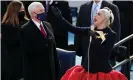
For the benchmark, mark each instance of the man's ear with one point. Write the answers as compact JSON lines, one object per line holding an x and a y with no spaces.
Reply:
{"x":34,"y":14}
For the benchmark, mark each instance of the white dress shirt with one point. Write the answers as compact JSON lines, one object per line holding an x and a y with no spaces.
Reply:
{"x":38,"y":25}
{"x":98,"y":7}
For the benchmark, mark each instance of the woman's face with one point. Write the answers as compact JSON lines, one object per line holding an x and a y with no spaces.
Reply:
{"x":99,"y":19}
{"x":22,"y":8}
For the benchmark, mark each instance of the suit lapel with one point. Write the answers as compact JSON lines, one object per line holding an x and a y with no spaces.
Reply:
{"x":46,"y":27}
{"x":88,"y":12}
{"x":34,"y":26}
{"x":49,"y":32}
{"x":37,"y":30}
{"x":104,"y":4}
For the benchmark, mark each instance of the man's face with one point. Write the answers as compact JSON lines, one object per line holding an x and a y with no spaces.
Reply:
{"x":39,"y":9}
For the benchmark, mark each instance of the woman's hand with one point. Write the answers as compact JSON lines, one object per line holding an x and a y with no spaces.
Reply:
{"x":56,"y":12}
{"x":92,"y":27}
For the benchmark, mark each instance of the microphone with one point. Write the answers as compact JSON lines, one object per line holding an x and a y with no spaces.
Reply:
{"x":92,"y":29}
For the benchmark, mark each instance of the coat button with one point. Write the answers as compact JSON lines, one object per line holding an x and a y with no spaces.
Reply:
{"x":46,"y":45}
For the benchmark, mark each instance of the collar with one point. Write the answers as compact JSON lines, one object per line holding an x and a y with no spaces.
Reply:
{"x":99,"y":3}
{"x":37,"y":24}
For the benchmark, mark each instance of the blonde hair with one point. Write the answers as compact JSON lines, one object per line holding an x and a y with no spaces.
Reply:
{"x":108,"y":15}
{"x":11,"y":15}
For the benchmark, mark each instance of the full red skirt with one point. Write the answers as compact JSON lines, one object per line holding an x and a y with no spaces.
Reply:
{"x":79,"y":73}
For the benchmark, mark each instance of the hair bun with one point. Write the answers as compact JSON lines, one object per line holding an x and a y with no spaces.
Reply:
{"x":108,"y":9}
{"x":108,"y":14}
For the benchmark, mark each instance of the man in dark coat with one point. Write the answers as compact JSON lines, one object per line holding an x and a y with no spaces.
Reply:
{"x":61,"y":36}
{"x":40,"y":58}
{"x":84,"y":19}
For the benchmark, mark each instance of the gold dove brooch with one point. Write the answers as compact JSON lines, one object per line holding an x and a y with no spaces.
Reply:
{"x":101,"y":35}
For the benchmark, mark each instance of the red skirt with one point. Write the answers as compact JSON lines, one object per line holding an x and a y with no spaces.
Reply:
{"x":79,"y":73}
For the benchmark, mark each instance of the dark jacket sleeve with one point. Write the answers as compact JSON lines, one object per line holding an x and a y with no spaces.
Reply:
{"x":76,"y":30}
{"x":66,"y":11}
{"x":57,"y":65}
{"x":23,"y":41}
{"x":26,"y":41}
{"x":56,"y":56}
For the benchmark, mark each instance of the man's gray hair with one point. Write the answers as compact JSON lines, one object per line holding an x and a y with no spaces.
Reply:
{"x":108,"y":15}
{"x":33,"y":6}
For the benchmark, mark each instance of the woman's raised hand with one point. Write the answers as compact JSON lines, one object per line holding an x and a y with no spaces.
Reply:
{"x":56,"y":12}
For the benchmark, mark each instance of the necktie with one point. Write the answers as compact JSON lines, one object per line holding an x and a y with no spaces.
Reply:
{"x":43,"y":31}
{"x":94,"y":12}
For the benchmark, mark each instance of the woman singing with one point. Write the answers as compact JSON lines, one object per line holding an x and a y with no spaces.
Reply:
{"x":103,"y":39}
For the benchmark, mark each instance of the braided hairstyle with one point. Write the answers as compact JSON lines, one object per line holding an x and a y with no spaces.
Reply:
{"x":108,"y":15}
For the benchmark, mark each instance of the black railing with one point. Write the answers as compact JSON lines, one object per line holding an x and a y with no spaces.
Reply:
{"x":123,"y":40}
{"x":128,"y":59}
{"x":123,"y":62}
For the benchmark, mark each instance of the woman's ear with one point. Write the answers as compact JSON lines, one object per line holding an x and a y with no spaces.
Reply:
{"x":104,"y":20}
